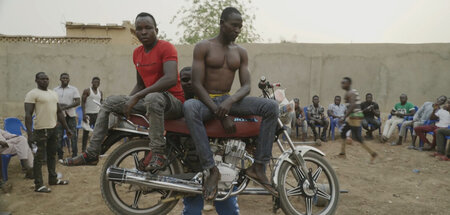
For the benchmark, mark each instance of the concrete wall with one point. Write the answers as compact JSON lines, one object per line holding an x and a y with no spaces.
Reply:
{"x":422,"y":71}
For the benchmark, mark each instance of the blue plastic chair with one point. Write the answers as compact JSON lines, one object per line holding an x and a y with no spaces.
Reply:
{"x":408,"y":118}
{"x":5,"y":162}
{"x":80,"y":117}
{"x":333,"y":125}
{"x":305,"y":110}
{"x":14,"y":126}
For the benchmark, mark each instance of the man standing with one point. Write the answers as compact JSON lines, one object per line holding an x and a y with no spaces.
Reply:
{"x":300,"y":119}
{"x":441,"y":114}
{"x":216,"y":61}
{"x":353,"y":117}
{"x":90,"y":101}
{"x":400,"y":110}
{"x":194,"y":204}
{"x":370,"y":110}
{"x":422,"y":115}
{"x":13,"y":144}
{"x":316,"y":116}
{"x":69,"y":99}
{"x":157,"y":94}
{"x":44,"y":103}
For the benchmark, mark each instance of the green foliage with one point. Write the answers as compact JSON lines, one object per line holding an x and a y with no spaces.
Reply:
{"x":201,"y":20}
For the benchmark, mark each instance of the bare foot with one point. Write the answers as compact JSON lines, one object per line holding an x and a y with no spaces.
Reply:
{"x":210,"y":184}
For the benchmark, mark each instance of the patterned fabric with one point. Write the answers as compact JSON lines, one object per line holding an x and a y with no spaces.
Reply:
{"x":316,"y":112}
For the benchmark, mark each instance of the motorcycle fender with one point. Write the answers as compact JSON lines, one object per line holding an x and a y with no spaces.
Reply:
{"x":285,"y":157}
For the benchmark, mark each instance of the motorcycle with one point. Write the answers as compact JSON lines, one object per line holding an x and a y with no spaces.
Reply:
{"x":305,"y":181}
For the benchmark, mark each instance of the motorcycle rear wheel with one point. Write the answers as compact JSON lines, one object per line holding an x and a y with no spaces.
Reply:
{"x":295,"y":195}
{"x":132,"y":201}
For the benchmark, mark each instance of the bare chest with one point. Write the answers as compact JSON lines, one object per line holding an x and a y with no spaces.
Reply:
{"x":223,"y":59}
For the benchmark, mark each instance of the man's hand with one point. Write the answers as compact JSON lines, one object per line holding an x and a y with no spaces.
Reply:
{"x":63,"y":106}
{"x":3,"y":144}
{"x":85,"y":118}
{"x":69,"y":133}
{"x":436,"y":106}
{"x":129,"y":105}
{"x":228,"y":125}
{"x":30,"y":139}
{"x":223,"y":109}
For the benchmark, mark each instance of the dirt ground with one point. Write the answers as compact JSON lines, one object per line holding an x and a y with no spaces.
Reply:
{"x":389,"y":186}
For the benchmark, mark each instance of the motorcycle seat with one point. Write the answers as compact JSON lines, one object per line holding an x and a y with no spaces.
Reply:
{"x":246,"y":126}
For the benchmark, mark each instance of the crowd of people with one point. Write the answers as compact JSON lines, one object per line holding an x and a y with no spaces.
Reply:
{"x":199,"y":93}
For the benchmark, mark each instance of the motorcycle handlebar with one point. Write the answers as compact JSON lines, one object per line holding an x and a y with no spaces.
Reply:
{"x":264,"y":84}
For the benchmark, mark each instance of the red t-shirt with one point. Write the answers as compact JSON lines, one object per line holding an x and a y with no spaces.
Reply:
{"x":150,"y":65}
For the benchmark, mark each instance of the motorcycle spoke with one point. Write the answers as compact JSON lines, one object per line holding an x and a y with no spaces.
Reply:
{"x":295,"y":191}
{"x":323,"y":194}
{"x":136,"y":160}
{"x":299,"y":173}
{"x":317,"y":173}
{"x":137,"y":197}
{"x":308,"y":203}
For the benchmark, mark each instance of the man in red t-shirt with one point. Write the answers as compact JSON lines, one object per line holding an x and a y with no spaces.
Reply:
{"x":157,"y":94}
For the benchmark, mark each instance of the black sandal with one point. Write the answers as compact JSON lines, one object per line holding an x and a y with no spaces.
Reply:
{"x":43,"y":189}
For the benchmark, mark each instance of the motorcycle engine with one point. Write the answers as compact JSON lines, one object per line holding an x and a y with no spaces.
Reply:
{"x":227,"y":161}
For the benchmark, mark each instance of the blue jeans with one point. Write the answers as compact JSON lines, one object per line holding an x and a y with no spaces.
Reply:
{"x":194,"y":205}
{"x":195,"y":113}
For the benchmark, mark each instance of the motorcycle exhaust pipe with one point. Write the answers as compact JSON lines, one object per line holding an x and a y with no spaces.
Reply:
{"x":145,"y":179}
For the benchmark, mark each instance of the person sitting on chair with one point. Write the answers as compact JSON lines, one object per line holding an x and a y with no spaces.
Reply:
{"x":300,"y":119}
{"x":400,"y":110}
{"x":370,"y":110}
{"x":443,"y":116}
{"x":13,"y":144}
{"x":316,"y":116}
{"x":422,"y":115}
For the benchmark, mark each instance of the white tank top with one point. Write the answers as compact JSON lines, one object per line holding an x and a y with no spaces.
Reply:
{"x":90,"y":105}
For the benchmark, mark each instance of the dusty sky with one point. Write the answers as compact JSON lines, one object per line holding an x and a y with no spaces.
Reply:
{"x":310,"y":21}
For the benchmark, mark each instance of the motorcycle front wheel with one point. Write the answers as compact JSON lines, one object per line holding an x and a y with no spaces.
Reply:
{"x":296,"y":195}
{"x":124,"y":198}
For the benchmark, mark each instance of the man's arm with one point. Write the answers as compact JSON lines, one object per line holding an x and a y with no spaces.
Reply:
{"x":435,"y":109}
{"x":412,"y":111}
{"x":198,"y":75}
{"x":244,"y":79}
{"x":330,"y":112}
{"x":168,"y":80}
{"x":376,"y":110}
{"x":351,"y":98}
{"x":29,"y":109}
{"x":101,"y":97}
{"x":139,"y":84}
{"x":84,"y":96}
{"x":62,"y":120}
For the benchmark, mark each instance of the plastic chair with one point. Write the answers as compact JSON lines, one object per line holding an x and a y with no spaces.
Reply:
{"x":333,"y":125}
{"x":305,"y":110}
{"x":80,"y":117}
{"x":5,"y":162}
{"x":14,"y":126}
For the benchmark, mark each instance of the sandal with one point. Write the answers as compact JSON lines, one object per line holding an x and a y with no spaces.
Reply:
{"x":43,"y":189}
{"x":61,"y":182}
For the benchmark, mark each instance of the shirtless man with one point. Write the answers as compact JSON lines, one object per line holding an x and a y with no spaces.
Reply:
{"x":215,"y":63}
{"x":353,"y":117}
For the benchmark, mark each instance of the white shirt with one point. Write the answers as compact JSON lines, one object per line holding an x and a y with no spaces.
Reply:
{"x":444,"y":118}
{"x":66,"y":96}
{"x":337,"y":110}
{"x":90,"y":105}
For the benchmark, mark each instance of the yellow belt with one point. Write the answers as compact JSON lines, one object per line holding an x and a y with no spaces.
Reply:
{"x":215,"y":95}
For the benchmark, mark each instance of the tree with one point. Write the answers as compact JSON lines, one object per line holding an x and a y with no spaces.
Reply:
{"x":201,"y":20}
